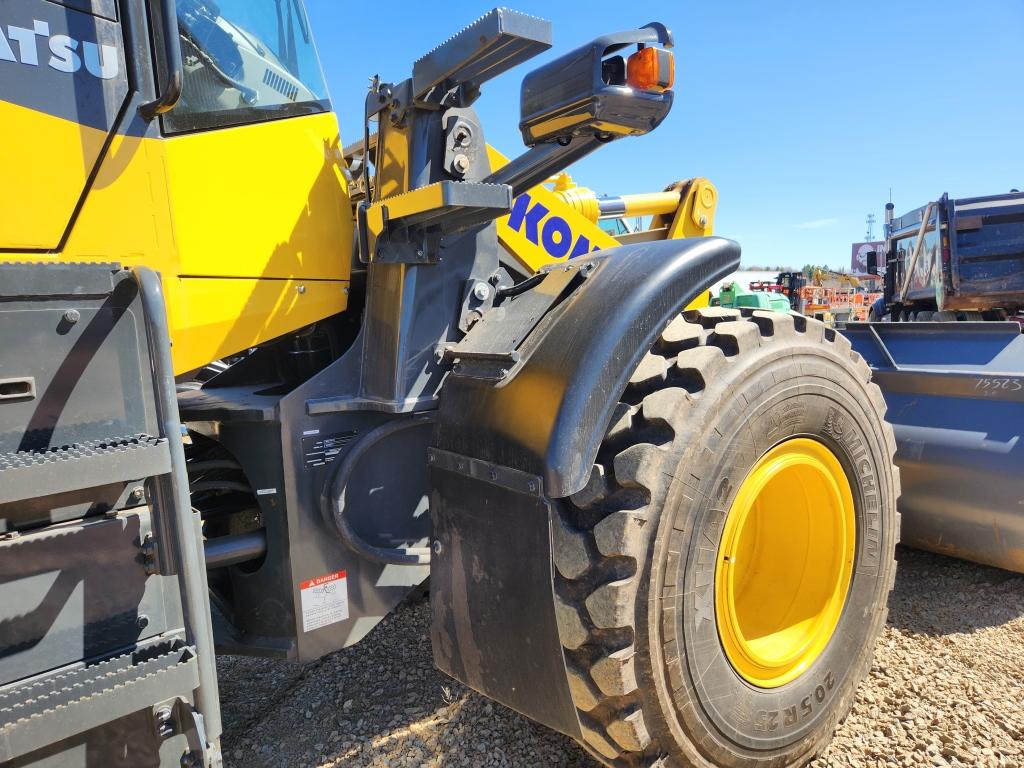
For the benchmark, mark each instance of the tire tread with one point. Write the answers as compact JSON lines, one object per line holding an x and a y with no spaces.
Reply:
{"x":611,"y":527}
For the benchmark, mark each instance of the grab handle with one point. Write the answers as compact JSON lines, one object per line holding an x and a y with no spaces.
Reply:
{"x":171,"y":92}
{"x":19,"y":388}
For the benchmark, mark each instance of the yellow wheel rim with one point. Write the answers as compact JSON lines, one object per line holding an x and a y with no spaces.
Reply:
{"x":785,"y":562}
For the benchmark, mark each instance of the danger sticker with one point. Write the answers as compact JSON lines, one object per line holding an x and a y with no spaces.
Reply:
{"x":324,"y":600}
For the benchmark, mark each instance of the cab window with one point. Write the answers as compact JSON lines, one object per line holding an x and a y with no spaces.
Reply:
{"x":245,"y":61}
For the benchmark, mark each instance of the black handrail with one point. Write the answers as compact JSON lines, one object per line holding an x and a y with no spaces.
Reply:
{"x":171,"y":92}
{"x":184,"y":542}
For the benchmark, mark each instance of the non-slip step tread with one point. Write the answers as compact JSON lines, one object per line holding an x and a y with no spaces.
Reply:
{"x":68,"y":703}
{"x":88,"y":464}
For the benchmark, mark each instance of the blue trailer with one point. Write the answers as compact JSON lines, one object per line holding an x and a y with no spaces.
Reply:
{"x":955,"y":390}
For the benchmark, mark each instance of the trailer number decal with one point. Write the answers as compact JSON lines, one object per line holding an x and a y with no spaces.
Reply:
{"x":324,"y":600}
{"x":995,"y":384}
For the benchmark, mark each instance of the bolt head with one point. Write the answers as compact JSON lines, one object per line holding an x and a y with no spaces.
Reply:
{"x":438,"y":547}
{"x":482,"y":291}
{"x":460,"y":163}
{"x":72,"y":316}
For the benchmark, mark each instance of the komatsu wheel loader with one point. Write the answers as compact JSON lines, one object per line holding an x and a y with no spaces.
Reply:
{"x":256,"y":386}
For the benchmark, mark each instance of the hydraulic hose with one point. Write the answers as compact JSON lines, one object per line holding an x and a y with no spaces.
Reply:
{"x":334,"y":508}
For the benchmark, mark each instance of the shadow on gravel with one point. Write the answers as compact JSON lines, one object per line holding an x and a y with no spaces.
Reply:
{"x":937,"y":595}
{"x":379,"y":703}
{"x":383,"y":703}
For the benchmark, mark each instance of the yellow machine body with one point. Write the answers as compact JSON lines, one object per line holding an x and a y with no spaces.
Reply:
{"x":250,"y":226}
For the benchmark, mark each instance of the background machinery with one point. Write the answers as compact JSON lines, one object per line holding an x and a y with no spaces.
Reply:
{"x":951,"y":366}
{"x":324,"y":373}
{"x":733,"y":295}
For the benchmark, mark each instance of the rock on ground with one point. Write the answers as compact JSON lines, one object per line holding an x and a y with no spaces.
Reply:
{"x":946,"y":689}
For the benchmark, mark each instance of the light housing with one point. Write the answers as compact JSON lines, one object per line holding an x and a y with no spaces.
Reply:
{"x":587,"y":92}
{"x":651,"y":69}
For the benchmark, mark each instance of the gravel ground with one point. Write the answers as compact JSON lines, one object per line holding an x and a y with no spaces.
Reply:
{"x":946,"y":688}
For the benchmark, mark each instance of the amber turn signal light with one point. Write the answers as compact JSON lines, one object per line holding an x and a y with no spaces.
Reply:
{"x":651,"y":69}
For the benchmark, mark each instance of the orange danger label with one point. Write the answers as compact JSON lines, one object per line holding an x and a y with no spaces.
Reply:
{"x":324,"y":600}
{"x":322,"y":579}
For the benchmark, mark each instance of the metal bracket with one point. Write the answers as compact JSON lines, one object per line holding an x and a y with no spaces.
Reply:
{"x":477,"y":299}
{"x":400,"y":104}
{"x":506,"y":477}
{"x":462,"y":142}
{"x":407,"y":228}
{"x":165,"y":720}
{"x":150,"y":556}
{"x":490,"y":350}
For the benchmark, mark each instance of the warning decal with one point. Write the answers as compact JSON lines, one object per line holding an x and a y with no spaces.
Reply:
{"x":324,"y":600}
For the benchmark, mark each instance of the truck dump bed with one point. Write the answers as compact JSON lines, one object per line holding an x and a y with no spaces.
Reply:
{"x":972,"y":257}
{"x":987,"y":251}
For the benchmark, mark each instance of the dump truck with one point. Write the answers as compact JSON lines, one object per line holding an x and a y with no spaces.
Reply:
{"x":955,"y":259}
{"x":946,"y":348}
{"x":257,"y":386}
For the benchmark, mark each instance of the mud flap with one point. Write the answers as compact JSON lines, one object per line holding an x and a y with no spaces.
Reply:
{"x":494,"y":624}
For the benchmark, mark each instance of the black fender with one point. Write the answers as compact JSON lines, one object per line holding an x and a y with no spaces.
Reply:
{"x":520,"y":420}
{"x":548,"y":414}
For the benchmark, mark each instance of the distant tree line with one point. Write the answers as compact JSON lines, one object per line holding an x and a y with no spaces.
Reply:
{"x":766,"y":268}
{"x":808,"y":269}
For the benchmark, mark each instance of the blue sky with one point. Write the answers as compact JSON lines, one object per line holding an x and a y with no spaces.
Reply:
{"x":802,"y":114}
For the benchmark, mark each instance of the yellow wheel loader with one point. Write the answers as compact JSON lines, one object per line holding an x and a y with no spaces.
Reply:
{"x":256,"y":387}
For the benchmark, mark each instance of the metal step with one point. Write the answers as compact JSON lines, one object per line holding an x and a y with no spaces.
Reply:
{"x":31,"y":474}
{"x":65,"y":704}
{"x":494,"y":43}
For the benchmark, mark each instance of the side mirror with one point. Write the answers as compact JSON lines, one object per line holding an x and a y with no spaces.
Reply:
{"x":592,"y":91}
{"x":872,"y":262}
